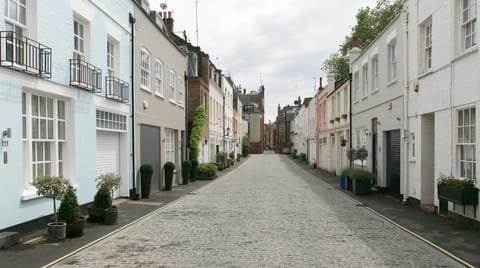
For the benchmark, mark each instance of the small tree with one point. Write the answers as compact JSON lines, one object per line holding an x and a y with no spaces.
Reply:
{"x":245,"y":146}
{"x":362,"y":154}
{"x":53,"y":187}
{"x":69,"y":209}
{"x":109,"y":181}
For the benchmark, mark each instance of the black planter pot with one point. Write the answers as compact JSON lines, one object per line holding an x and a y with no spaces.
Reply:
{"x":145,"y":181}
{"x":349,"y":185}
{"x":96,"y":215}
{"x":168,"y":179}
{"x":76,"y":228}
{"x":185,"y":175}
{"x":462,"y":196}
{"x":193,"y":171}
{"x":361,"y":187}
{"x":111,"y":216}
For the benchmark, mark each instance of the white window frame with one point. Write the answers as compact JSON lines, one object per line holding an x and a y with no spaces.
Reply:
{"x":375,"y":73}
{"x":145,"y":69}
{"x":158,"y":80}
{"x":466,"y":143}
{"x":427,"y":51}
{"x":180,"y":91}
{"x":46,"y":146}
{"x":412,"y":146}
{"x":79,"y":39}
{"x":469,"y":23}
{"x":111,"y":121}
{"x":16,"y":18}
{"x":365,"y":80}
{"x":392,"y":60}
{"x":172,"y":86}
{"x":169,"y":145}
{"x":110,"y":57}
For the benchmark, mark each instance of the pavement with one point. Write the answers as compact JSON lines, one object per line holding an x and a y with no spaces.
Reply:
{"x":452,"y":239}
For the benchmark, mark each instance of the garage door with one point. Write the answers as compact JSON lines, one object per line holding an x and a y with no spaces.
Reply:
{"x":108,"y":153}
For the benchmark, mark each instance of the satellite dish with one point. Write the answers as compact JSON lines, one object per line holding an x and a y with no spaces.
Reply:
{"x":163,"y":6}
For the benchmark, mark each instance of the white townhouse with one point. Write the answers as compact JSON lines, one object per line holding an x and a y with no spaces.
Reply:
{"x":311,"y":132}
{"x":229,"y":137}
{"x":443,"y":96}
{"x":297,"y":132}
{"x":378,"y":84}
{"x":215,"y":113}
{"x":64,"y":97}
{"x":338,"y":107}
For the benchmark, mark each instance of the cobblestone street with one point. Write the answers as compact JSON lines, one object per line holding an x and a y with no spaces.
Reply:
{"x":267,"y":212}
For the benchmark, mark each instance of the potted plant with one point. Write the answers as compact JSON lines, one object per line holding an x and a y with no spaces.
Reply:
{"x":362,"y":181}
{"x":361,"y":155}
{"x":232,"y":158}
{"x":169,"y":167}
{"x":101,"y":201}
{"x":207,"y":171}
{"x":53,"y":187}
{"x":351,"y":155}
{"x":221,"y":160}
{"x":186,"y":166}
{"x":146,"y":171}
{"x":239,"y":156}
{"x":69,"y":211}
{"x":459,"y":191}
{"x":111,"y":182}
{"x":193,"y":170}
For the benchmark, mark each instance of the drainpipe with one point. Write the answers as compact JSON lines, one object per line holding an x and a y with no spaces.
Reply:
{"x":186,"y":136}
{"x":133,"y":190}
{"x":350,"y":117}
{"x":405,"y":108}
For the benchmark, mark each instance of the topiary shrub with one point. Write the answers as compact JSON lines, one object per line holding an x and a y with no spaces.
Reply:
{"x":207,"y":171}
{"x":146,"y":169}
{"x":102,"y":198}
{"x":303,"y":157}
{"x":53,"y":187}
{"x":69,"y":209}
{"x":109,"y":181}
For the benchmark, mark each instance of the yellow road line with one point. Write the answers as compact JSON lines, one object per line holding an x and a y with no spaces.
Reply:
{"x":401,"y":227}
{"x":119,"y":229}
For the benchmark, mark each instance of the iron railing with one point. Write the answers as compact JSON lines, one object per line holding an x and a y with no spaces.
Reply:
{"x":24,"y":54}
{"x":116,"y":89}
{"x":85,"y":75}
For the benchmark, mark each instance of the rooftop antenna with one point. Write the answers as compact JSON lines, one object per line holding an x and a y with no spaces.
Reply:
{"x":314,"y":84}
{"x":196,"y":19}
{"x":164,"y":6}
{"x":261,"y":81}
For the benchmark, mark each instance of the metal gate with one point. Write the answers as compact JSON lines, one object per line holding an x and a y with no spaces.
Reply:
{"x":393,"y":161}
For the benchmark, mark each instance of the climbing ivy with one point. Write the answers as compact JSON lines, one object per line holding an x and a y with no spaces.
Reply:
{"x":196,"y":132}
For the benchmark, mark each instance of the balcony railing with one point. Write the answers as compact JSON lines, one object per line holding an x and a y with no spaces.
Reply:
{"x":86,"y":76}
{"x":24,"y":54}
{"x":116,"y":89}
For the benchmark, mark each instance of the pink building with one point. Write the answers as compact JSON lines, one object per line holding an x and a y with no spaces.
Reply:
{"x":321,"y":126}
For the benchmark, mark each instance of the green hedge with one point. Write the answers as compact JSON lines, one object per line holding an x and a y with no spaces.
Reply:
{"x":207,"y":171}
{"x":359,"y":175}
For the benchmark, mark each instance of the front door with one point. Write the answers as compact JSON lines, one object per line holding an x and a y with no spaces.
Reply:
{"x":393,"y":161}
{"x":150,"y":152}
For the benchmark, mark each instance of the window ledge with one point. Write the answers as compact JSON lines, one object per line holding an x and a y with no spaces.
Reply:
{"x":30,"y":194}
{"x":159,"y":95}
{"x":357,"y":101}
{"x":425,"y":73}
{"x":466,"y":52}
{"x":392,"y":82}
{"x":364,"y":97}
{"x":181,"y":106}
{"x":172,"y":101}
{"x":412,"y":160}
{"x":145,"y":89}
{"x":375,"y":92}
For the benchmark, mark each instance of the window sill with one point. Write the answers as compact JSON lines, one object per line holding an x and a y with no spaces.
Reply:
{"x":145,"y":89}
{"x":364,"y":97}
{"x":172,"y":101}
{"x":425,"y":73}
{"x":412,"y":160}
{"x":159,"y":95}
{"x":392,"y":82}
{"x":30,"y":194}
{"x":181,"y":106}
{"x":375,"y":92}
{"x":466,"y":52}
{"x":357,"y":101}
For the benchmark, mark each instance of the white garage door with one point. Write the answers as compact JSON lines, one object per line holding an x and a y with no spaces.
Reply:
{"x":108,"y":153}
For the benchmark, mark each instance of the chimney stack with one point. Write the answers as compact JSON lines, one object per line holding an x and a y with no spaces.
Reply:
{"x":354,"y":41}
{"x":168,"y":21}
{"x":278,"y":109}
{"x":355,"y":51}
{"x":321,"y":85}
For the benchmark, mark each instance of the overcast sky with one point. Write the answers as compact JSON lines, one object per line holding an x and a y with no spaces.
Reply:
{"x":278,"y":43}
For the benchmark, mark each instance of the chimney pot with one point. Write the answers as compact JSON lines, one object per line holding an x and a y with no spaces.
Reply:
{"x":354,"y":41}
{"x":321,"y":86}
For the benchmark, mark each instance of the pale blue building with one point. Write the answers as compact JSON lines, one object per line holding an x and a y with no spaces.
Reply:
{"x":65,"y":97}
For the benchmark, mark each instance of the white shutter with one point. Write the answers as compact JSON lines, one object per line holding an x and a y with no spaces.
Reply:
{"x":108,"y":153}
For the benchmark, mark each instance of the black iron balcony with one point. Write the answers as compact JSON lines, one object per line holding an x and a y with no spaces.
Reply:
{"x":116,"y":89}
{"x":86,"y":76}
{"x":24,"y":54}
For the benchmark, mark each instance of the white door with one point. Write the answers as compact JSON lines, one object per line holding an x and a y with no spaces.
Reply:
{"x":108,"y":154}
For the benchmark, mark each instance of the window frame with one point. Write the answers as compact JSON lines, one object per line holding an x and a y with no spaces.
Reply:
{"x":80,"y":36}
{"x":375,"y":76}
{"x":365,"y":80}
{"x":170,"y":145}
{"x":158,"y":79}
{"x":427,"y":50}
{"x":172,"y":86}
{"x":180,"y":91}
{"x":466,"y":143}
{"x":145,"y":66}
{"x":469,"y":24}
{"x":392,"y":60}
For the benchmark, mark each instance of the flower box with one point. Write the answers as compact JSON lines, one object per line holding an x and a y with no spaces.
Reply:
{"x":463,"y":196}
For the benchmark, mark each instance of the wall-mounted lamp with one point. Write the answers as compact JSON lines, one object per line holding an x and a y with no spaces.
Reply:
{"x":205,"y":141}
{"x":416,"y":85}
{"x":367,"y":133}
{"x":7,"y":133}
